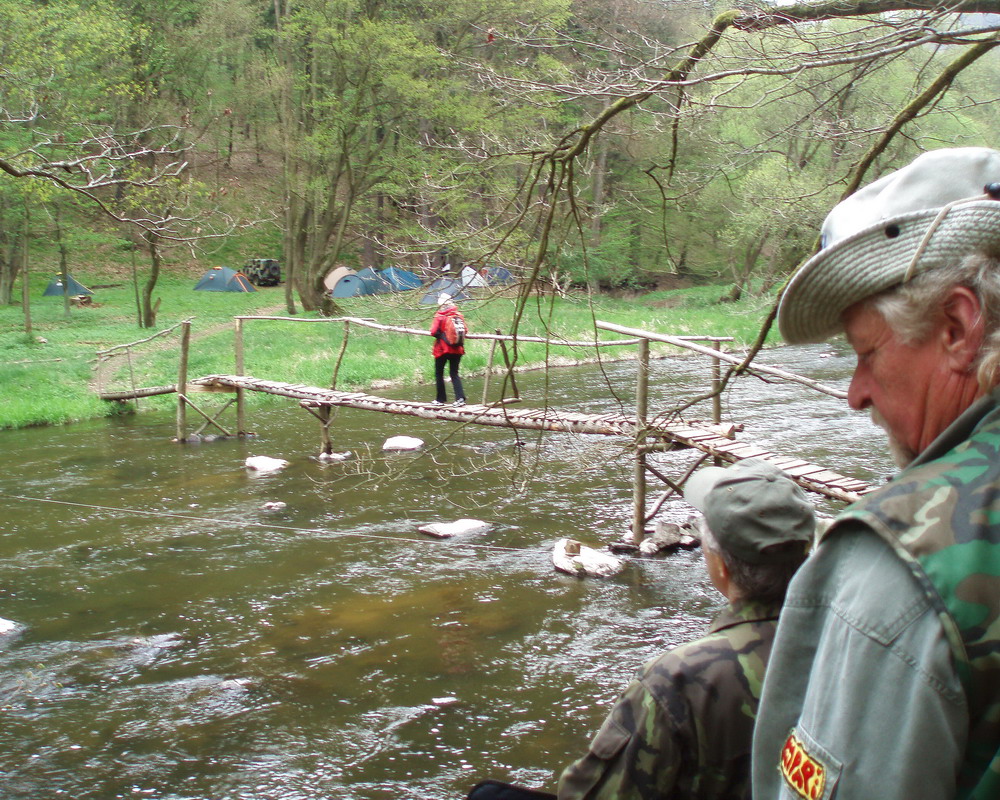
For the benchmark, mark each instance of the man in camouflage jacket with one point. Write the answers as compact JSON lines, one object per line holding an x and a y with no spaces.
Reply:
{"x":883,"y":681}
{"x":683,"y":727}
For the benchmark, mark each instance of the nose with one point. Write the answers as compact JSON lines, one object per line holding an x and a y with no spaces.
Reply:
{"x":858,"y":396}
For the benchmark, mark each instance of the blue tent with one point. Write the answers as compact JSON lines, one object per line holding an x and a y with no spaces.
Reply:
{"x":73,"y":288}
{"x":223,"y":279}
{"x":373,"y":282}
{"x":498,"y":275}
{"x":400,"y":279}
{"x":450,"y":286}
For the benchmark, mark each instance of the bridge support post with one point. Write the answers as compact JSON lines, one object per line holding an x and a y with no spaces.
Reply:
{"x":324,"y":419}
{"x":717,"y":390}
{"x":639,"y":475}
{"x":182,"y":370}
{"x":241,"y":426}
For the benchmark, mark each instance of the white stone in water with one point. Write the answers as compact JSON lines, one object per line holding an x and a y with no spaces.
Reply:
{"x":571,"y":557}
{"x":8,"y":626}
{"x":445,"y":530}
{"x":403,"y":443}
{"x":274,"y":505}
{"x":335,"y":456}
{"x":444,"y":701}
{"x":265,"y":463}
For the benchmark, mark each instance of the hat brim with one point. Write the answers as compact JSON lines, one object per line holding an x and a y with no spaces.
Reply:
{"x":876,"y":259}
{"x":697,"y":487}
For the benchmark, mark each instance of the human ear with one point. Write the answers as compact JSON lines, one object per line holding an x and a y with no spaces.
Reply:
{"x":961,"y":331}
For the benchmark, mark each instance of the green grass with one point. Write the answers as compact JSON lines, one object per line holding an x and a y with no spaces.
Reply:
{"x":49,"y":378}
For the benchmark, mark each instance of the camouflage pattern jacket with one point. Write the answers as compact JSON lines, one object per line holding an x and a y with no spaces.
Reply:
{"x":683,"y":727}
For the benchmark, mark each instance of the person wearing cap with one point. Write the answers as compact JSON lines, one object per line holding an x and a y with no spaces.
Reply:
{"x":683,"y":727}
{"x":445,"y":354}
{"x":884,"y":681}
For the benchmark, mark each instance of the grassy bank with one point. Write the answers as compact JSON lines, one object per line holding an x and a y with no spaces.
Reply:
{"x":50,"y":377}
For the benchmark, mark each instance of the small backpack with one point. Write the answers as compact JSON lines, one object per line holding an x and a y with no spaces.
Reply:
{"x":454,"y":330}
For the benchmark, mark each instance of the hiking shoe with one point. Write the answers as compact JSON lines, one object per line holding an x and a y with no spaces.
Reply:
{"x":459,"y":402}
{"x":436,"y":403}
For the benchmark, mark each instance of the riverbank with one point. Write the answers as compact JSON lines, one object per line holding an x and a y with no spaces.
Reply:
{"x":49,"y":377}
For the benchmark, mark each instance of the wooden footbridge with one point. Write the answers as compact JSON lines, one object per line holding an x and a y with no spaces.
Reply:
{"x":646,"y":433}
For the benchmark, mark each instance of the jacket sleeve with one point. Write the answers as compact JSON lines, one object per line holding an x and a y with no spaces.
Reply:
{"x":635,"y":754}
{"x":436,"y":326}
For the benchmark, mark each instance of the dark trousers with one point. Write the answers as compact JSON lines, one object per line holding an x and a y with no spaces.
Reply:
{"x":451,"y":359}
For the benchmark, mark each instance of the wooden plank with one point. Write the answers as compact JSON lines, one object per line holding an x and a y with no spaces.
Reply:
{"x":709,"y":438}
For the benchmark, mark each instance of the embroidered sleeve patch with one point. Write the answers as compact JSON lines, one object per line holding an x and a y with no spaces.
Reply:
{"x":804,"y":773}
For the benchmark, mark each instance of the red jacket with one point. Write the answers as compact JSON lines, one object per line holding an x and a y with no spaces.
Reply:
{"x":441,"y":347}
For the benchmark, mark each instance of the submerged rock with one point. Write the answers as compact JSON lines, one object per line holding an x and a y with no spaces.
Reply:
{"x":265,"y":463}
{"x":669,"y":536}
{"x":403,"y":443}
{"x":445,"y":530}
{"x":335,"y":456}
{"x":274,"y":505}
{"x":573,"y":558}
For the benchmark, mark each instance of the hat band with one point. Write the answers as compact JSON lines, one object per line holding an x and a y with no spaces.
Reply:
{"x":926,"y":240}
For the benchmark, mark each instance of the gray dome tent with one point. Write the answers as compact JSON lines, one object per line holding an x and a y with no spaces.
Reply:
{"x":450,"y":286}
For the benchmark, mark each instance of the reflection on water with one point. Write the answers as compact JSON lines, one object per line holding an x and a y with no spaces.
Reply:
{"x":180,"y":641}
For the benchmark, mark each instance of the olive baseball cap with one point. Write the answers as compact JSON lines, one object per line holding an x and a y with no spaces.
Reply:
{"x":751,"y":506}
{"x":932,"y":212}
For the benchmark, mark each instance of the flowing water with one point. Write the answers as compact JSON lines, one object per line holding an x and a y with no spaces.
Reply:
{"x":177,"y":640}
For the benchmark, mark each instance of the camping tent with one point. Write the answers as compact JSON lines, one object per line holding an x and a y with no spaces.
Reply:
{"x":373,"y":282}
{"x":448,"y":286}
{"x":400,"y":279}
{"x":223,"y":279}
{"x":73,"y":287}
{"x":343,"y":282}
{"x":498,"y":275}
{"x":472,"y":279}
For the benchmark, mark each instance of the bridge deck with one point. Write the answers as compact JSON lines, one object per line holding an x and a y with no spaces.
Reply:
{"x":713,"y":440}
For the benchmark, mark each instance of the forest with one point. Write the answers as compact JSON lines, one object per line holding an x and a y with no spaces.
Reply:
{"x":599,"y":145}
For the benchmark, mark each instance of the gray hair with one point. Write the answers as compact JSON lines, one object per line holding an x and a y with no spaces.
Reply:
{"x":911,"y":309}
{"x":762,"y":583}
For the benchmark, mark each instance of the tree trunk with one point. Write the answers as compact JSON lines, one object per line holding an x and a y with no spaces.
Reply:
{"x":63,"y":260}
{"x":149,"y":308}
{"x":25,"y":294}
{"x":600,"y":166}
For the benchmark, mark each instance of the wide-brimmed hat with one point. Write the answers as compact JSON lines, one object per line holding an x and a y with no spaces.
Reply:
{"x":751,"y":506}
{"x":933,"y":212}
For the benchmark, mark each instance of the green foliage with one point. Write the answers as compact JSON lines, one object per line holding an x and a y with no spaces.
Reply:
{"x":52,"y":378}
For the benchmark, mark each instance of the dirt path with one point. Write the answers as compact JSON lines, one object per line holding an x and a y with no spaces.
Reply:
{"x":109,"y":368}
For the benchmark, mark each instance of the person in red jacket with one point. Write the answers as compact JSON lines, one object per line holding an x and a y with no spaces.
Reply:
{"x":445,"y":353}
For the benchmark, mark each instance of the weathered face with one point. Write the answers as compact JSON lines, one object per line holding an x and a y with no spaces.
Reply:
{"x":913,"y":390}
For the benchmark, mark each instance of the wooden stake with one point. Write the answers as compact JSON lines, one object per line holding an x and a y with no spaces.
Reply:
{"x":241,"y":428}
{"x":639,"y":477}
{"x":182,"y":381}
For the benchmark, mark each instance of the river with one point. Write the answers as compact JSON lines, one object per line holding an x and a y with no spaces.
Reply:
{"x":178,"y":640}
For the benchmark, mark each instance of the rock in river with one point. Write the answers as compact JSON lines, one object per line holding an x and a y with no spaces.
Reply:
{"x":445,"y":530}
{"x":265,"y":463}
{"x":574,"y":558}
{"x":403,"y":443}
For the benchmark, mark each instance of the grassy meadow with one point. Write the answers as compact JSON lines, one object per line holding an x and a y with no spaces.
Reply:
{"x":51,"y":376}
